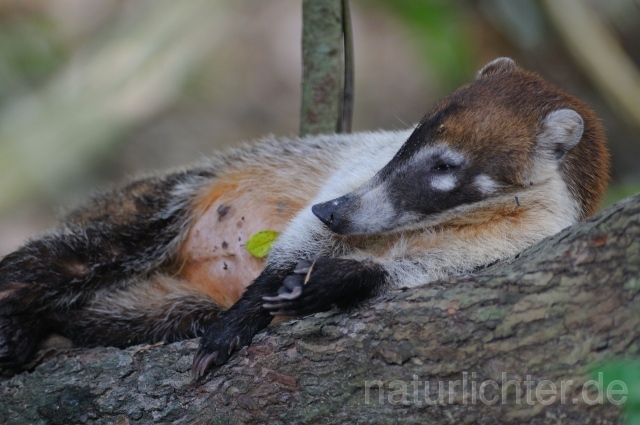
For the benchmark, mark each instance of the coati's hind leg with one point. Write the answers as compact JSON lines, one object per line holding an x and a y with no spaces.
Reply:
{"x":19,"y":337}
{"x":162,"y":308}
{"x":112,"y":240}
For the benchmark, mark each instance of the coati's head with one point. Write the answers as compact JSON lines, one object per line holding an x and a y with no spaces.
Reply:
{"x":508,"y":133}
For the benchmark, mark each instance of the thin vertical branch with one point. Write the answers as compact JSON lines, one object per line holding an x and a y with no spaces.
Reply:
{"x":322,"y":74}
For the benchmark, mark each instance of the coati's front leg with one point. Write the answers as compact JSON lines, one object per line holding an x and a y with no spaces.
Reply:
{"x":319,"y":284}
{"x":308,"y":287}
{"x":237,"y":326}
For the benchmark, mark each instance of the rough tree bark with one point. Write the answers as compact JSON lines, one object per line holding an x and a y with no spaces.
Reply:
{"x":550,"y":313}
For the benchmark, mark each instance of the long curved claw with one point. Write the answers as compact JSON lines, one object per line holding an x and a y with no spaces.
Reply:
{"x":202,"y":361}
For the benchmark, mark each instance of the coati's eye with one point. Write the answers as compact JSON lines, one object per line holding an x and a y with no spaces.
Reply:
{"x":443,"y":167}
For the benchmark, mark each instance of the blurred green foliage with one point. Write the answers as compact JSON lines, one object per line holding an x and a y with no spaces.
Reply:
{"x":618,"y":192}
{"x":30,"y":52}
{"x":628,"y":372}
{"x":442,"y":35}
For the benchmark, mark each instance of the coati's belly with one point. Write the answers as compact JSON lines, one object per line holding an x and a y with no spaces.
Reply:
{"x":264,"y":195}
{"x":214,"y":258}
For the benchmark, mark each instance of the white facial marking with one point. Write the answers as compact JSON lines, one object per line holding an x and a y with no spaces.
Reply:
{"x":452,"y":157}
{"x":375,"y":212}
{"x":443,"y":183}
{"x":445,"y":153}
{"x":486,"y":184}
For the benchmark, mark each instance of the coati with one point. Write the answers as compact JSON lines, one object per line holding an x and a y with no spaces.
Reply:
{"x":493,"y":168}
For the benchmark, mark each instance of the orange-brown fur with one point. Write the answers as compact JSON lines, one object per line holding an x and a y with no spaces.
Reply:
{"x":214,"y":259}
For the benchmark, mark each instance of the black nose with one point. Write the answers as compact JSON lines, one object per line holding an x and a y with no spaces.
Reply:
{"x":324,"y":212}
{"x":333,"y":213}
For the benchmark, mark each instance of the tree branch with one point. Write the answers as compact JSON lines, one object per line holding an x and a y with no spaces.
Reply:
{"x":321,"y":66}
{"x":547,"y":314}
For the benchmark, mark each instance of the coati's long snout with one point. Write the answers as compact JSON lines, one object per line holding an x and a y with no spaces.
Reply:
{"x":368,"y":209}
{"x":365,"y":210}
{"x":337,"y":214}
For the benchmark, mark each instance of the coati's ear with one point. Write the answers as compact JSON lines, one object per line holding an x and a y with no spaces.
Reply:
{"x":561,"y":131}
{"x":497,"y":66}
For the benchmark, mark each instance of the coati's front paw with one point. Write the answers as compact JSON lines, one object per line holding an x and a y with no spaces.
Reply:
{"x":319,"y":284}
{"x":221,"y":339}
{"x":310,"y":289}
{"x":19,"y":338}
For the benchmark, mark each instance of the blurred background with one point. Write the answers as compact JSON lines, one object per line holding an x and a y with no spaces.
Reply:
{"x":94,"y":91}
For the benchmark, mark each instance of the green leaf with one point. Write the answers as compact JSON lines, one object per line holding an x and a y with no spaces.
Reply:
{"x":259,"y":244}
